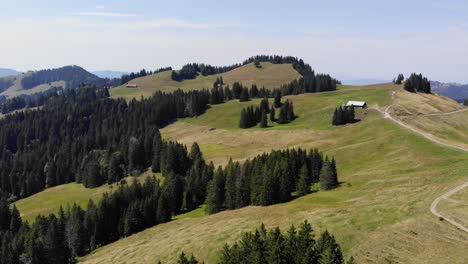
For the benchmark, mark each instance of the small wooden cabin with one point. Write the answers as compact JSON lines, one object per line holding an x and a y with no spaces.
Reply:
{"x":131,"y":85}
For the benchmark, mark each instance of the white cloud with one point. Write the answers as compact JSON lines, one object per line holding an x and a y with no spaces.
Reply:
{"x":106,"y":14}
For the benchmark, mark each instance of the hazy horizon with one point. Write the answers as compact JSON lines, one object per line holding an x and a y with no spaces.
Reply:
{"x":358,"y":40}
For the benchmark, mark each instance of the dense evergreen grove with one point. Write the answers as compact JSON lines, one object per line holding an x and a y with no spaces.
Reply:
{"x":465,"y":102}
{"x":296,"y":246}
{"x":72,"y":75}
{"x":298,"y":64}
{"x":417,"y":83}
{"x":76,"y":136}
{"x":399,"y":79}
{"x":269,"y":178}
{"x":191,"y":71}
{"x":75,"y":232}
{"x":142,"y":73}
{"x":343,"y":115}
{"x":251,"y":115}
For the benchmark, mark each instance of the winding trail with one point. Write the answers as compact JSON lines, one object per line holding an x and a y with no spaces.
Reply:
{"x":446,"y":195}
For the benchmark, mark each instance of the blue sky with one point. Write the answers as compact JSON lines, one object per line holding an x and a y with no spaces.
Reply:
{"x":348,"y":39}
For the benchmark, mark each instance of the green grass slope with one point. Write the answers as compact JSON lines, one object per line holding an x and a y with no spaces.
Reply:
{"x":50,"y":200}
{"x":269,"y":75}
{"x":380,"y":214}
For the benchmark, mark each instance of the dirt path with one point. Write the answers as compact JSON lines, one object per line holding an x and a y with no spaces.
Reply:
{"x":446,"y":196}
{"x":437,"y":114}
{"x":426,"y":135}
{"x":435,"y":140}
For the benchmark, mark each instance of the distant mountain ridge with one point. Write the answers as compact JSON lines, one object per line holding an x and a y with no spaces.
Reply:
{"x":455,"y":91}
{"x":32,"y":82}
{"x":8,"y":72}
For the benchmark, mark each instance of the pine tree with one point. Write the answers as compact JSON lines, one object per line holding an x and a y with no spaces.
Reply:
{"x":277,"y":99}
{"x":272,"y":114}
{"x":290,"y":111}
{"x":327,"y":177}
{"x":216,"y":191}
{"x":329,"y":250}
{"x":303,"y":185}
{"x":244,"y":96}
{"x":183,"y":259}
{"x":163,"y":213}
{"x":244,"y":120}
{"x":264,"y":120}
{"x":282,"y":118}
{"x":15,"y":221}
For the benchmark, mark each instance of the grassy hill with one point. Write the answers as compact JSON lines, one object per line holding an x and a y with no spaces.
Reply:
{"x":380,"y":214}
{"x":40,"y":81}
{"x":269,"y":75}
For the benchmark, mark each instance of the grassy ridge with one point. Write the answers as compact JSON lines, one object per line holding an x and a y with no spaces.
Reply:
{"x":269,"y":75}
{"x":380,"y":213}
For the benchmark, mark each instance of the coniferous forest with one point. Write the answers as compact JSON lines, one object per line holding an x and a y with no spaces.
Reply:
{"x":81,"y":135}
{"x":297,"y":245}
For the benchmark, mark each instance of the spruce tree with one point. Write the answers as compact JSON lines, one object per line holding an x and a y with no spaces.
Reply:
{"x":215,"y":197}
{"x":15,"y":221}
{"x":277,"y":99}
{"x":272,"y":114}
{"x":282,"y":118}
{"x":244,"y":119}
{"x":327,"y":178}
{"x":244,"y":96}
{"x":264,"y":120}
{"x":303,"y":185}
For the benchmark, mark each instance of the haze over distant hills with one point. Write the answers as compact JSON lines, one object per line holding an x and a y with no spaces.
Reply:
{"x":40,"y":81}
{"x":8,"y":72}
{"x":455,"y":91}
{"x":109,"y":74}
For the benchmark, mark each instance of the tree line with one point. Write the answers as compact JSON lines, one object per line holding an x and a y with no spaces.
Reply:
{"x":142,"y":73}
{"x":82,"y":135}
{"x":192,"y":70}
{"x":417,"y":83}
{"x":129,"y":209}
{"x":296,"y":246}
{"x":343,"y":115}
{"x":269,"y":178}
{"x":252,"y":115}
{"x":399,"y":79}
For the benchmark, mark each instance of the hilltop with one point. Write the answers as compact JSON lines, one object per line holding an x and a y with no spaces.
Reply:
{"x":8,"y":72}
{"x":269,"y":75}
{"x":40,"y":81}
